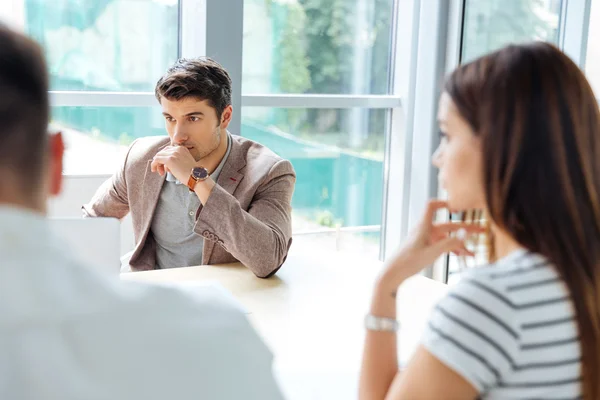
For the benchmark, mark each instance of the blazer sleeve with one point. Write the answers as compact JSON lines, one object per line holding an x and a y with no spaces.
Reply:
{"x":260,"y":237}
{"x":111,"y":200}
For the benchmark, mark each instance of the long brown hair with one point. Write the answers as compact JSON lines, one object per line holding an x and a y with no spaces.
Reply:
{"x":539,"y":125}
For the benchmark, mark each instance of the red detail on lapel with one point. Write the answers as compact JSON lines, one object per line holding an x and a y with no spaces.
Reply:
{"x":233,"y":179}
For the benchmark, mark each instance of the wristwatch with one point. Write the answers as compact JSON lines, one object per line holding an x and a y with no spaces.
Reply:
{"x":381,"y":324}
{"x":198,"y":175}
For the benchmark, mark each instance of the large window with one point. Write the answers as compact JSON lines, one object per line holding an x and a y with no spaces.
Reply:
{"x":326,"y":51}
{"x":321,"y":69}
{"x":338,"y":157}
{"x":492,"y":24}
{"x":317,"y":46}
{"x":104,"y":45}
{"x":345,"y":89}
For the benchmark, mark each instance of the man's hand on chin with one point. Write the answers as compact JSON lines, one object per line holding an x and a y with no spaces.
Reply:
{"x":175,"y":159}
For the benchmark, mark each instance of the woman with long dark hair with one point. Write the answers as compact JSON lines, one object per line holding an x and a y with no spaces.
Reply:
{"x":521,"y":141}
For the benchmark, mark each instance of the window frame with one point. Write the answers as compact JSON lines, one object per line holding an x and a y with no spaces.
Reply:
{"x":200,"y":33}
{"x":573,"y":29}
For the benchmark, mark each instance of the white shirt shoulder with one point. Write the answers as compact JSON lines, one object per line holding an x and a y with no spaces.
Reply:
{"x":68,"y":332}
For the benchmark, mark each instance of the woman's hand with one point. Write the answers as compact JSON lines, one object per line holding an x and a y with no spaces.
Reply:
{"x":424,"y":245}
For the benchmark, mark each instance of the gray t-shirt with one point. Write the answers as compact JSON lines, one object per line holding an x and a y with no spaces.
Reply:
{"x":177,"y":245}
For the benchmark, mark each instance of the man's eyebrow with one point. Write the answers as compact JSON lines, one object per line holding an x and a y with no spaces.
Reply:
{"x":166,"y":114}
{"x":194,"y":113}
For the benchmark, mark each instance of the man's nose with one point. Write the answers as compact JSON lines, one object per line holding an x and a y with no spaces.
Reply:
{"x":179,"y":136}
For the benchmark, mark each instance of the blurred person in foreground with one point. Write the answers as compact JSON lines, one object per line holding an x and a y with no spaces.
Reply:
{"x":67,"y":332}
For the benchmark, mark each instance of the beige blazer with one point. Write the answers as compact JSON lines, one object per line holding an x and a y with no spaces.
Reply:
{"x":247,"y":217}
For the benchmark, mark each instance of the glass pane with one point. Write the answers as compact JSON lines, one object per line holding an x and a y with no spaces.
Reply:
{"x":317,"y":46}
{"x":103,"y":45}
{"x":338,"y":157}
{"x":97,"y":138}
{"x":492,"y":24}
{"x":592,"y":63}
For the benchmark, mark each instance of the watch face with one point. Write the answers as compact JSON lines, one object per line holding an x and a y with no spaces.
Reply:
{"x":200,"y":173}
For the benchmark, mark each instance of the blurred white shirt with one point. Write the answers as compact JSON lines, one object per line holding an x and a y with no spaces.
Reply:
{"x":67,"y":332}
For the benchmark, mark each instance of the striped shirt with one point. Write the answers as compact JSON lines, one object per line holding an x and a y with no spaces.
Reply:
{"x":510,"y":330}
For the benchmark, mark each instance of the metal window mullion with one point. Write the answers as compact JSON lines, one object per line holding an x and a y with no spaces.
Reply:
{"x":215,"y":29}
{"x":431,"y":68}
{"x":574,"y":27}
{"x":321,"y":101}
{"x":454,"y":42}
{"x":399,"y":137}
{"x":102,"y":99}
{"x":143,"y":99}
{"x":456,"y":15}
{"x":192,"y":28}
{"x":224,"y":22}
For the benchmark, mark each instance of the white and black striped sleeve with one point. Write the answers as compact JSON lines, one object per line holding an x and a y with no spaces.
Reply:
{"x":473,"y":330}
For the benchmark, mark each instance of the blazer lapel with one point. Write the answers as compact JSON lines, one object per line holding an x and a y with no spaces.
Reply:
{"x":229,"y":179}
{"x":151,"y":187}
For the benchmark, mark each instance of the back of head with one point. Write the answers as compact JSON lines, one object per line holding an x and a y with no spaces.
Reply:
{"x":200,"y":78}
{"x":24,"y":113}
{"x":539,"y":125}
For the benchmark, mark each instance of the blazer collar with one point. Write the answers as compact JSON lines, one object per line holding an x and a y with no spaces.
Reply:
{"x":152,"y":183}
{"x":230,"y":176}
{"x":151,"y":187}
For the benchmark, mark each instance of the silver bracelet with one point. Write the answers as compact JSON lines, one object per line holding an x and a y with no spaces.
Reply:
{"x":381,"y":324}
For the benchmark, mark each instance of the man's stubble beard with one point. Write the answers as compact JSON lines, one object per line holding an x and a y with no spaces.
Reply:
{"x":214,"y":145}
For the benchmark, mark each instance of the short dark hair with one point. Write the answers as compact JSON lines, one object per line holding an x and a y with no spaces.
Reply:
{"x":24,"y":107}
{"x":201,"y":78}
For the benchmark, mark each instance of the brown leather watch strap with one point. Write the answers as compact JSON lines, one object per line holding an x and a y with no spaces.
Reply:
{"x":191,"y":184}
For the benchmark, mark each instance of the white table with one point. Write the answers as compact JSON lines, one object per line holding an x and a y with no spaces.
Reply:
{"x":311,"y":315}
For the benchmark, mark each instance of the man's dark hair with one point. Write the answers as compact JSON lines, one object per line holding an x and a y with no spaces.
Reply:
{"x":200,"y":78}
{"x":24,"y":107}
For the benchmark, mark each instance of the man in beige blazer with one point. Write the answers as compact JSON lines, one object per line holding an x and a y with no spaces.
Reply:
{"x":201,"y":195}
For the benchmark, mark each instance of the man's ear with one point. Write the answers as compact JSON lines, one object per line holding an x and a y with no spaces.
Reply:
{"x":57,"y":151}
{"x":226,"y":116}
